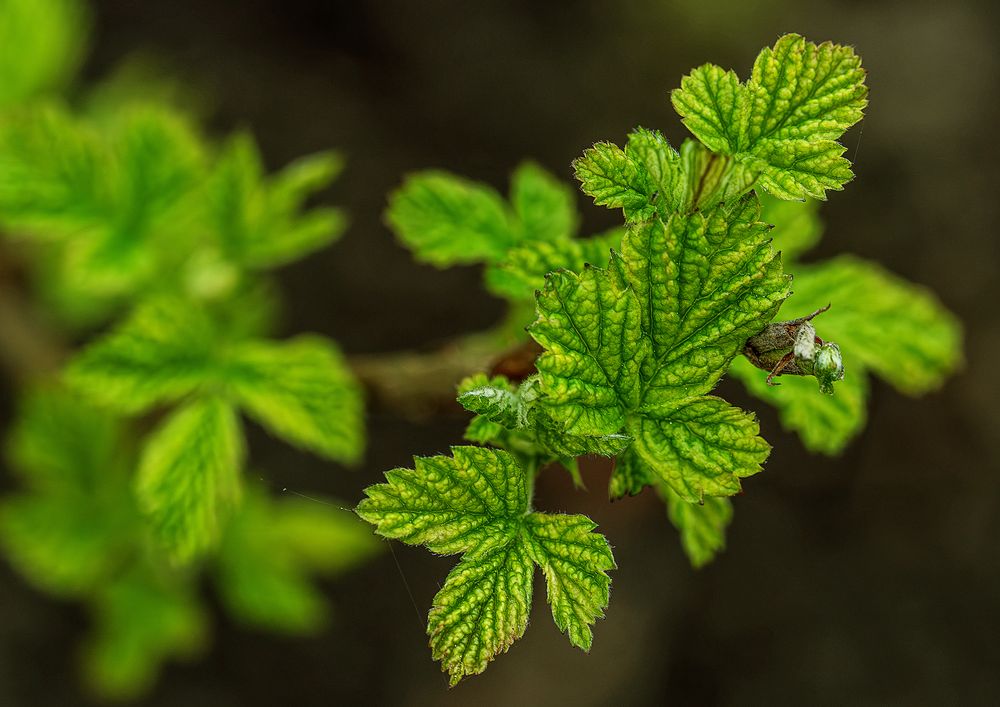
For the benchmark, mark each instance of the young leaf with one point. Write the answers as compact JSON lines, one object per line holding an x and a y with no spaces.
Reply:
{"x":544,"y":205}
{"x":615,"y":179}
{"x":884,"y":325}
{"x":40,"y":48}
{"x":575,"y":561}
{"x":258,"y":220}
{"x":142,"y":619}
{"x":639,"y":345}
{"x":826,"y":423}
{"x":162,"y":352}
{"x":302,"y":391}
{"x":524,"y":268}
{"x":268,"y":551}
{"x":784,"y":121}
{"x":189,"y":476}
{"x":446,"y":220}
{"x":476,"y":503}
{"x":797,"y":226}
{"x":523,"y":425}
{"x":702,"y":525}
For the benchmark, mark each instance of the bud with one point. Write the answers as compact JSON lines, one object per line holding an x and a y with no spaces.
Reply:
{"x":828,"y":366}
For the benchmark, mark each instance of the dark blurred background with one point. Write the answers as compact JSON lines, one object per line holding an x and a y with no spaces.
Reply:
{"x":872,"y":578}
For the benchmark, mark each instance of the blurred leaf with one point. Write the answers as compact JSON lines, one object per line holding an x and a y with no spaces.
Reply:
{"x":523,"y":270}
{"x":826,"y":423}
{"x":77,"y":522}
{"x":142,"y":619}
{"x":260,"y":221}
{"x":41,"y":43}
{"x":797,"y":226}
{"x":271,"y":547}
{"x":302,"y":391}
{"x":107,"y":194}
{"x":702,"y":526}
{"x":190,"y":476}
{"x":544,"y":205}
{"x":162,"y":352}
{"x":67,"y":543}
{"x":883,"y":325}
{"x":59,"y":442}
{"x":446,"y":220}
{"x":55,"y":180}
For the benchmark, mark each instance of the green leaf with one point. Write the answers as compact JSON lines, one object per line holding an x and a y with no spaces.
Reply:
{"x":616,"y":180}
{"x":481,"y":609}
{"x":797,"y":226}
{"x":271,"y":548}
{"x":701,"y":447}
{"x":58,"y":442}
{"x":826,"y":423}
{"x":544,"y":205}
{"x":575,"y":561}
{"x":590,"y":327}
{"x":782,"y":123}
{"x":450,"y":504}
{"x":189,"y":476}
{"x":629,"y":475}
{"x":446,"y":220}
{"x":883,"y":325}
{"x":702,"y":525}
{"x":161,"y":353}
{"x":142,"y":620}
{"x":476,"y":503}
{"x":638,"y":346}
{"x":260,"y":221}
{"x":77,"y":522}
{"x":302,"y":391}
{"x":524,"y":268}
{"x":41,"y":43}
{"x":66,"y":543}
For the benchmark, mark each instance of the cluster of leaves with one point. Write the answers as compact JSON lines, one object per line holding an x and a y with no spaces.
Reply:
{"x":135,"y":224}
{"x":447,"y":220}
{"x":632,"y":349}
{"x":78,"y":531}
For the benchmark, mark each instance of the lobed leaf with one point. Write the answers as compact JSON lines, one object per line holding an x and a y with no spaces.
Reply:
{"x":783,"y":123}
{"x":476,"y":502}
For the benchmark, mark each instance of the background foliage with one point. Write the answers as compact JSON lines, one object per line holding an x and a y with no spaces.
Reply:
{"x":870,"y":574}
